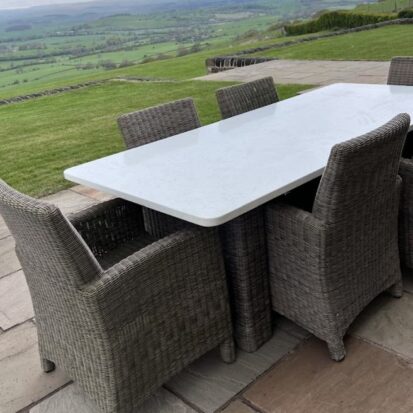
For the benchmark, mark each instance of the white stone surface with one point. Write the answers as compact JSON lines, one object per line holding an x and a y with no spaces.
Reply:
{"x":213,"y":174}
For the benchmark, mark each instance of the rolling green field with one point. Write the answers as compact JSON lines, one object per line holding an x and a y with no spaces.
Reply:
{"x":40,"y":138}
{"x":40,"y":52}
{"x":377,"y":44}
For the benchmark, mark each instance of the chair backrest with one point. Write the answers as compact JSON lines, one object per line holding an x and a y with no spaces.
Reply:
{"x":238,"y":99}
{"x":361,"y":174}
{"x":401,"y":71}
{"x":49,"y":248}
{"x":159,"y":122}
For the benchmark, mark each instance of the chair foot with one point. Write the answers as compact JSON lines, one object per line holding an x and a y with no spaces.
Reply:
{"x":227,"y":350}
{"x":337,"y":350}
{"x":47,"y":365}
{"x":396,"y":290}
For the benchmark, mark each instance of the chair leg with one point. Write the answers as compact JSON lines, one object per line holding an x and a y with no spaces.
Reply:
{"x":337,"y":350}
{"x":47,"y":365}
{"x":396,"y":290}
{"x":227,"y":350}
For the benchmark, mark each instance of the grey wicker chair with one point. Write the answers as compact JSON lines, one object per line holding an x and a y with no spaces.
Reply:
{"x":159,"y":122}
{"x":401,"y":71}
{"x":117,"y":310}
{"x":327,"y":264}
{"x":243,"y":239}
{"x":238,"y":99}
{"x":153,"y":124}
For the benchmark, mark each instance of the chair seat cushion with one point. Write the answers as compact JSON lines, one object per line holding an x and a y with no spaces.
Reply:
{"x":112,"y":257}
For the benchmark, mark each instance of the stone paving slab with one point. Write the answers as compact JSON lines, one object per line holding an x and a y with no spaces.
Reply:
{"x":238,"y":407}
{"x":369,"y":380}
{"x":15,"y":301}
{"x":309,"y":72}
{"x":210,"y":384}
{"x":9,"y":262}
{"x":72,"y":400}
{"x":4,"y":231}
{"x":91,"y":193}
{"x":70,"y":201}
{"x":388,"y":322}
{"x":22,"y":381}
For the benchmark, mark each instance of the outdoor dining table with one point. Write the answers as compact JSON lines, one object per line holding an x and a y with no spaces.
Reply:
{"x":222,"y":174}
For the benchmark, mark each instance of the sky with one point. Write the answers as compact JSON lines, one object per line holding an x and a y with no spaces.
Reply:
{"x":19,"y":4}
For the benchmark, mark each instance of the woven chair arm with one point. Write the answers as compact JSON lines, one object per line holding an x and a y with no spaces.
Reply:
{"x":126,"y":291}
{"x":298,"y":220}
{"x":106,"y":225}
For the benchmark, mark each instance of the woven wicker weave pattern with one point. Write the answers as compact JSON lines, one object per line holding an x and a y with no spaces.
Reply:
{"x":401,"y":71}
{"x":159,"y":122}
{"x":245,"y":255}
{"x":235,"y":100}
{"x":119,"y":333}
{"x":328,"y":264}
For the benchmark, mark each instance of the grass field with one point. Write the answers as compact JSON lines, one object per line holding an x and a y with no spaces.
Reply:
{"x":180,"y":68}
{"x":42,"y":137}
{"x":377,"y":44}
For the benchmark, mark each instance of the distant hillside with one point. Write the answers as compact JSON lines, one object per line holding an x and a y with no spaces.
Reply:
{"x":99,"y":8}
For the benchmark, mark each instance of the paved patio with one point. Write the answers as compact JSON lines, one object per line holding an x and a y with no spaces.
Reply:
{"x":308,"y":72}
{"x":290,"y":374}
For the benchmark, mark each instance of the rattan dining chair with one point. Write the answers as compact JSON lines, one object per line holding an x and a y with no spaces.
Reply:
{"x":153,"y":124}
{"x":119,"y":311}
{"x":327,"y":264}
{"x":238,"y":99}
{"x":401,"y":71}
{"x":243,"y":239}
{"x":158,"y":122}
{"x":401,"y":74}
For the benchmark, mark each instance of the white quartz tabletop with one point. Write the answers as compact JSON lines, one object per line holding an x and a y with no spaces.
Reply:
{"x":213,"y":174}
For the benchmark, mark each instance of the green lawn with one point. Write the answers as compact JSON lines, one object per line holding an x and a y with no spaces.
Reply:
{"x":42,"y":137}
{"x":377,"y":44}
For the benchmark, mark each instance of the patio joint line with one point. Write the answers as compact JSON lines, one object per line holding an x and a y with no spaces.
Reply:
{"x":243,"y":390}
{"x":10,"y":273}
{"x":35,"y":403}
{"x":18,"y":325}
{"x":400,"y":356}
{"x":5,"y":236}
{"x":251,"y":405}
{"x":240,"y":394}
{"x":183,"y":399}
